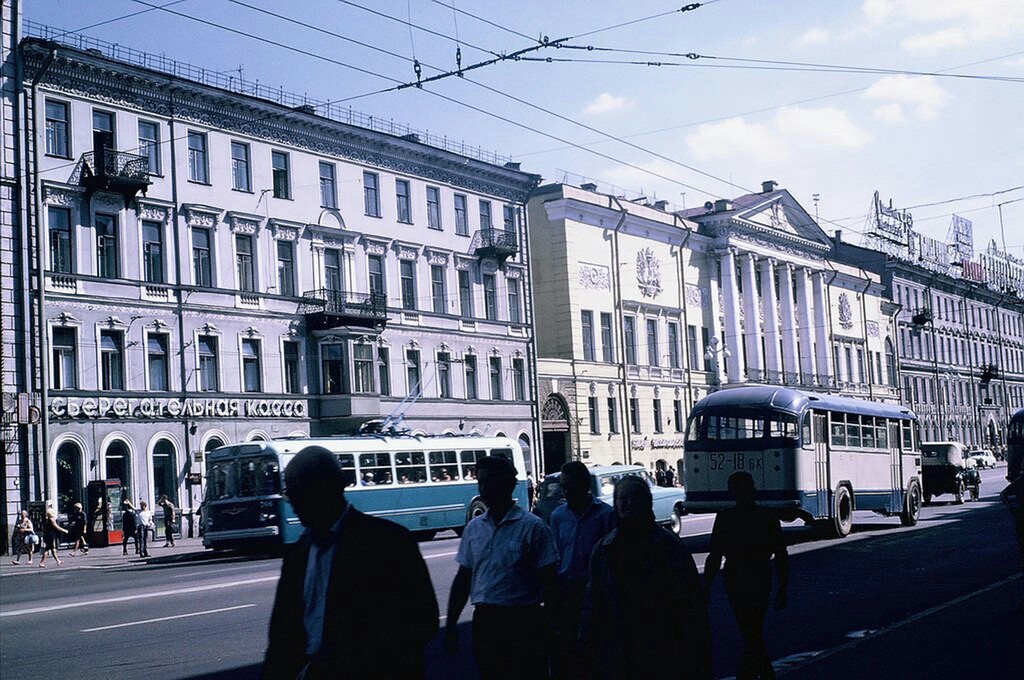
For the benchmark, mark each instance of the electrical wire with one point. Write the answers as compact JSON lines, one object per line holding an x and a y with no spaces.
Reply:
{"x":115,"y":19}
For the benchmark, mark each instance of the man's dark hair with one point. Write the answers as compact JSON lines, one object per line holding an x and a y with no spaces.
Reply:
{"x":315,"y":463}
{"x":741,"y":480}
{"x":641,"y":485}
{"x":498,"y":466}
{"x":575,"y":468}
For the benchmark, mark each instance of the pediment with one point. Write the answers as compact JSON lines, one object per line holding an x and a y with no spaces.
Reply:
{"x":781,"y":214}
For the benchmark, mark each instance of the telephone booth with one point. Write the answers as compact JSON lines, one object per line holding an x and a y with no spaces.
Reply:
{"x":103,"y":512}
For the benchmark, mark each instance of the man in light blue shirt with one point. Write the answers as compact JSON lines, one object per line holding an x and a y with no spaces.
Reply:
{"x":578,"y":525}
{"x":507,"y":563}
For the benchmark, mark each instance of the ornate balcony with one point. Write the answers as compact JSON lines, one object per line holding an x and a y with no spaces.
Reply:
{"x":116,"y":171}
{"x":326,"y":308}
{"x":497,"y":243}
{"x":922,"y":316}
{"x":989,"y":372}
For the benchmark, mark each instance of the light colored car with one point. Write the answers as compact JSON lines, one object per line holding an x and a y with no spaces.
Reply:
{"x":983,"y":458}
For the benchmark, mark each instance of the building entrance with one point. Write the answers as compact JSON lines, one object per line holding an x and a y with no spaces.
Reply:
{"x":555,"y":428}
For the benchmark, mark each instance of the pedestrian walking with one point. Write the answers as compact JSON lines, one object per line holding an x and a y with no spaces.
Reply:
{"x":644,"y":615}
{"x":51,"y":534}
{"x":531,"y":492}
{"x":144,"y":522}
{"x":76,"y":529}
{"x":507,"y":567}
{"x":170,"y":515}
{"x":659,"y":476}
{"x":25,"y":538}
{"x":748,"y":536}
{"x":578,"y":525}
{"x":670,"y":476}
{"x":354,"y":599}
{"x":129,"y":526}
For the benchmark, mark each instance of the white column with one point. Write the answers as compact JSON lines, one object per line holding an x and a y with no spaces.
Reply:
{"x":788,"y":331}
{"x":714,"y":322}
{"x":731,"y":311}
{"x":752,"y":319}
{"x":822,"y":331}
{"x":806,"y":326}
{"x":770,"y":301}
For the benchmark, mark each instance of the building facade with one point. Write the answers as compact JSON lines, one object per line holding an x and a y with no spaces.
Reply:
{"x":647,"y":310}
{"x":207,"y":265}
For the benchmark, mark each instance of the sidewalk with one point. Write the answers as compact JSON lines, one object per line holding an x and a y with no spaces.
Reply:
{"x":98,"y":558}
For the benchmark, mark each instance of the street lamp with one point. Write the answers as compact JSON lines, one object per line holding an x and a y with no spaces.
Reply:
{"x":711,"y":354}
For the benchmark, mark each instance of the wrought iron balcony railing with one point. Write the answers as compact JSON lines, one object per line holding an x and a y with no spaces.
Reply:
{"x":922,"y":316}
{"x":989,"y":372}
{"x":328,"y":308}
{"x":496,"y":243}
{"x":116,"y":171}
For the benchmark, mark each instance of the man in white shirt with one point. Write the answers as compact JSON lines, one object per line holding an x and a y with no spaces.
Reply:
{"x":507,"y":567}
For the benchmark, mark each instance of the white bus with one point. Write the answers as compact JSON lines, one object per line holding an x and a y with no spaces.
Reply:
{"x":814,"y":456}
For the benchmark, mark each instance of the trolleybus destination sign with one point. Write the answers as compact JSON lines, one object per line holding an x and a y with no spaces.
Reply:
{"x":153,"y":408}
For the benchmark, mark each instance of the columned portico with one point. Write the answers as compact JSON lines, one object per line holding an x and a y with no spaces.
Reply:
{"x":770,"y":300}
{"x":733,"y":329}
{"x":822,"y":345}
{"x":789,"y":346}
{"x":806,"y":323}
{"x":752,"y":319}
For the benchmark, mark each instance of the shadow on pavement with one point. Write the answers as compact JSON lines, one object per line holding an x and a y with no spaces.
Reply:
{"x":242,"y":673}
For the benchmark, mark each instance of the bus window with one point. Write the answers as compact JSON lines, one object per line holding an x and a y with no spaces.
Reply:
{"x":375,"y":469}
{"x":806,"y":434}
{"x":867,"y":432}
{"x":410,"y":467}
{"x":221,"y":482}
{"x":882,"y":433}
{"x":783,"y":425}
{"x":695,"y":428}
{"x":726,"y":427}
{"x":852,"y":430}
{"x":259,"y":477}
{"x":908,"y":436}
{"x":444,"y":466}
{"x":469,"y":459}
{"x":348,"y":468}
{"x":502,"y":453}
{"x":838,"y":429}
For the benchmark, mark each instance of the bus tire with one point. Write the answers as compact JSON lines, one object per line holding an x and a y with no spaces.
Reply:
{"x":961,"y":489}
{"x":842,"y":512}
{"x":911,"y":505}
{"x":476,"y":508}
{"x":677,"y":521}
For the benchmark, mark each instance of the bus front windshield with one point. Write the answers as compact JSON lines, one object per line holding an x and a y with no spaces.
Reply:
{"x":259,"y":476}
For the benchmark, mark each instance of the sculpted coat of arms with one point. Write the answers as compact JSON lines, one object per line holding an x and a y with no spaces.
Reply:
{"x":648,"y":273}
{"x":845,"y":311}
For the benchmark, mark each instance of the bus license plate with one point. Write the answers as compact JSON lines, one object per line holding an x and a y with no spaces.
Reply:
{"x":751,"y":461}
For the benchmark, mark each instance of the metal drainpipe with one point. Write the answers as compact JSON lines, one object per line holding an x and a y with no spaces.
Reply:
{"x":531,"y":348}
{"x":576,"y":410}
{"x":896,"y":354}
{"x":626,"y":427}
{"x":1003,"y":363}
{"x":976,"y":416}
{"x":863,"y":326}
{"x":686,"y":319}
{"x":49,"y":467}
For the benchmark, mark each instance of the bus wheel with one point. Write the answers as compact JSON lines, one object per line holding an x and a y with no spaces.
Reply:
{"x":961,"y":489}
{"x":842,"y":512}
{"x":911,"y":505}
{"x":476,"y":508}
{"x":677,"y":521}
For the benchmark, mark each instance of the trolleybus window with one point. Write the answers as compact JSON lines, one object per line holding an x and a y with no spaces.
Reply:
{"x":502,"y":453}
{"x":882,"y":433}
{"x":867,"y":432}
{"x":908,"y":435}
{"x":348,"y":468}
{"x":375,"y":469}
{"x":783,"y":425}
{"x":469,"y":459}
{"x":838,"y":429}
{"x":410,"y":467}
{"x":259,"y":477}
{"x":444,"y":466}
{"x":807,"y":429}
{"x":221,"y":482}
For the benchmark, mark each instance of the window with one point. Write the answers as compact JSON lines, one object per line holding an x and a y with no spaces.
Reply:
{"x":469,"y":360}
{"x":198,"y":169}
{"x":58,"y":143}
{"x":629,"y":326}
{"x":652,"y":343}
{"x":709,"y":359}
{"x":494,"y":363}
{"x":860,"y":366}
{"x":607,"y":344}
{"x":692,"y":348}
{"x":149,"y":145}
{"x":593,"y":411}
{"x":461,"y":215}
{"x":634,"y":414}
{"x":59,"y":226}
{"x":241,"y":175}
{"x":362,"y":367}
{"x":434,"y":208}
{"x":673,"y":345}
{"x":371,"y":194}
{"x":65,"y":359}
{"x":279,"y":168}
{"x":286,"y":268}
{"x":509,"y":218}
{"x":328,"y":186}
{"x":252,"y":374}
{"x":407,"y":273}
{"x":111,"y":360}
{"x":412,"y":371}
{"x":490,"y":297}
{"x":107,"y":251}
{"x":209,"y":371}
{"x":613,"y":416}
{"x":402,"y":201}
{"x":515,"y":312}
{"x":157,"y":362}
{"x":153,"y":251}
{"x":384,"y":371}
{"x":519,"y":379}
{"x":244,"y":261}
{"x":437,"y":288}
{"x":485,"y":216}
{"x":202,"y":265}
{"x":332,"y":364}
{"x":657,"y":416}
{"x":332,"y":269}
{"x":465,"y":294}
{"x":103,"y":121}
{"x":375,"y":267}
{"x":290,"y":353}
{"x":444,"y":375}
{"x":587,"y":327}
{"x":677,"y":414}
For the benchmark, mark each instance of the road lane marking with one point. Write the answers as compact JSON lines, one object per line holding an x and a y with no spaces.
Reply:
{"x":140,"y":596}
{"x":167,"y":618}
{"x":444,"y":554}
{"x":217,"y":571}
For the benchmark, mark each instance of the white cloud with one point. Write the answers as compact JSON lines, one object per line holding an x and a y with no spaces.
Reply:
{"x":737,"y":138}
{"x":934,"y":25}
{"x":605,"y":103}
{"x":814,"y":36}
{"x":824,"y":127}
{"x":878,"y":11}
{"x":889,"y":113}
{"x":921,"y":92}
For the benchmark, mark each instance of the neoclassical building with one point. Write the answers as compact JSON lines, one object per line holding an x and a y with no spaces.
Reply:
{"x":647,"y":310}
{"x":201,"y":261}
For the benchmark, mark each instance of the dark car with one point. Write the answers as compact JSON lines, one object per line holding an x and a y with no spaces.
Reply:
{"x":945,"y":470}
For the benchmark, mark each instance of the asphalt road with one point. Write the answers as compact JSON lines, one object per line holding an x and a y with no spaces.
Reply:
{"x":202,"y":614}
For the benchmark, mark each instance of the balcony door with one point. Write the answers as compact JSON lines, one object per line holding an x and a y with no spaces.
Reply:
{"x":102,"y":139}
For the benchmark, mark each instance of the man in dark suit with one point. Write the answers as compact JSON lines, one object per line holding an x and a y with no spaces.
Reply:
{"x":355,"y":598}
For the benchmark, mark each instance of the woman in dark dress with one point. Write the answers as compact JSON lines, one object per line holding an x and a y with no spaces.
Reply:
{"x":76,"y":529}
{"x":128,"y":527}
{"x":51,"y":531}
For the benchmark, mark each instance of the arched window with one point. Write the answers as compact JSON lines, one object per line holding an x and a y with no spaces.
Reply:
{"x":119,"y":466}
{"x":213,"y":443}
{"x":69,"y":476}
{"x":165,"y":476}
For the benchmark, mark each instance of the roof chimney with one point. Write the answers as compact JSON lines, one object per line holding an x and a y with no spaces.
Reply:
{"x":306,"y":108}
{"x":839,"y":236}
{"x":768,"y":186}
{"x":512,"y":165}
{"x":588,"y":186}
{"x":411,"y":137}
{"x":723,"y":205}
{"x":660,"y":205}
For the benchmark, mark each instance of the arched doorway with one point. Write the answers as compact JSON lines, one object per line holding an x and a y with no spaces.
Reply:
{"x":165,"y":471}
{"x":119,"y":466}
{"x":555,"y":429}
{"x":69,"y":476}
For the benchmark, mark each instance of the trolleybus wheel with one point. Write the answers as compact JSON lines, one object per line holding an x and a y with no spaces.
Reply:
{"x":842,"y":512}
{"x":911,"y":505}
{"x":958,"y":497}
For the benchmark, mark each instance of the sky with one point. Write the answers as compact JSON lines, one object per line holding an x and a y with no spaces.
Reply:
{"x":689,"y":131}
